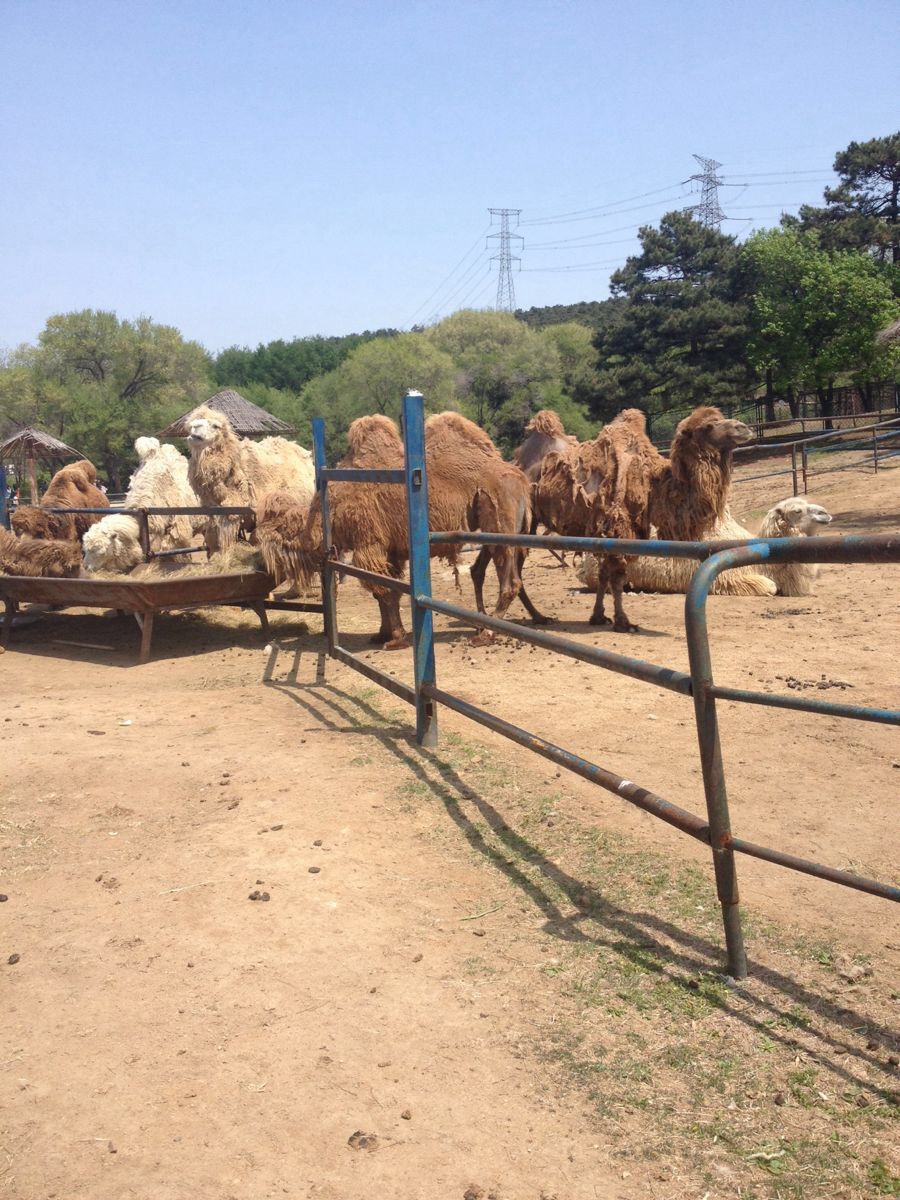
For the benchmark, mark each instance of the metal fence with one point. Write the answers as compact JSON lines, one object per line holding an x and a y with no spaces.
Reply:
{"x":698,"y":683}
{"x":876,"y":443}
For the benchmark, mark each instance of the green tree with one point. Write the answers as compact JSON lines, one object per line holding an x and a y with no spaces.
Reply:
{"x":863,"y":211}
{"x":814,"y":314}
{"x":288,"y":366}
{"x":503,"y":369}
{"x":100,"y":382}
{"x":374,"y":379}
{"x":574,"y":344}
{"x":678,"y":337}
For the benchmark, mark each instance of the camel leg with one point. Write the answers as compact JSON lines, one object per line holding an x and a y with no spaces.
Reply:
{"x":398,"y":639}
{"x":537,"y":617}
{"x":385,"y":629}
{"x":510,"y":584}
{"x":616,"y":574}
{"x":477,"y":571}
{"x":598,"y":616}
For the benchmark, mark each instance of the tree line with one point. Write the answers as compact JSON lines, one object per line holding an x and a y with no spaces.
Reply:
{"x":693,"y":317}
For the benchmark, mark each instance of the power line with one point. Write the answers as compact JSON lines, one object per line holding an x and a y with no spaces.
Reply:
{"x":447,"y":278}
{"x":599,"y":209}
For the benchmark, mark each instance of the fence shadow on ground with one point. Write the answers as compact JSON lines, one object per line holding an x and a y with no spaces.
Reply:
{"x":769,"y":998}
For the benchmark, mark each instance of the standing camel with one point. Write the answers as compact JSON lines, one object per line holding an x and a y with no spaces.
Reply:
{"x":620,"y":486}
{"x":470,"y":487}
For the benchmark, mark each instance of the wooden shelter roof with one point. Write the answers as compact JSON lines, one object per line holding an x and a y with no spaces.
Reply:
{"x":247,"y":420}
{"x":34,"y":443}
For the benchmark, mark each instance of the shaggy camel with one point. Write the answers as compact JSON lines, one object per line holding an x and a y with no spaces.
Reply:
{"x":546,"y":435}
{"x":795,"y":517}
{"x":161,"y":481}
{"x":620,"y":486}
{"x":470,"y":487}
{"x":74,"y":486}
{"x":39,"y":556}
{"x":227,"y":470}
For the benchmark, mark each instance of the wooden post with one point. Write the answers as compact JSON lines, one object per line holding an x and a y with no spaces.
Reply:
{"x":32,"y":480}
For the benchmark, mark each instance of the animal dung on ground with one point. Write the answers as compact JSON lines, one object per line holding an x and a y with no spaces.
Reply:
{"x":257,"y":895}
{"x":362,"y":1141}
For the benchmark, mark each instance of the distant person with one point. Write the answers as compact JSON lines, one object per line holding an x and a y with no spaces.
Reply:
{"x":103,"y":488}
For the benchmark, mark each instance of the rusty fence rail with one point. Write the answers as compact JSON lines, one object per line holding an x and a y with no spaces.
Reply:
{"x":698,"y":683}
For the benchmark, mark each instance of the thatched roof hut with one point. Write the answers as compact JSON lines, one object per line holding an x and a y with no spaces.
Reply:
{"x":31,"y":446}
{"x":889,"y":334}
{"x":247,"y":420}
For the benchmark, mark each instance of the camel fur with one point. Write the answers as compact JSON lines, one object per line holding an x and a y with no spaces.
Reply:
{"x":620,"y":486}
{"x":73,"y":486}
{"x":470,"y":487}
{"x":51,"y":559}
{"x":161,"y":481}
{"x":227,"y":470}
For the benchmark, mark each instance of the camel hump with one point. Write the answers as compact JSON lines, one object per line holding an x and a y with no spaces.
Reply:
{"x":547,"y":422}
{"x":445,"y":430}
{"x":373,"y":441}
{"x":146,"y":447}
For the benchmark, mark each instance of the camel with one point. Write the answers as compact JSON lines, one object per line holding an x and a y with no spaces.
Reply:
{"x":620,"y":486}
{"x":470,"y":487}
{"x":161,"y":481}
{"x":73,"y":486}
{"x":794,"y":517}
{"x":227,"y":470}
{"x":546,"y":435}
{"x":49,"y":558}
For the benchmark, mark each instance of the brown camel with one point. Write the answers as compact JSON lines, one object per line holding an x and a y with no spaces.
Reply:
{"x":74,"y":486}
{"x":39,"y":556}
{"x":619,"y":486}
{"x":470,"y":488}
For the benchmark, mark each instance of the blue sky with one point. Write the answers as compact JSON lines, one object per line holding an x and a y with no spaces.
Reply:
{"x":248,"y":171}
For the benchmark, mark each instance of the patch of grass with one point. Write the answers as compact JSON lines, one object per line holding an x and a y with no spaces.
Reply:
{"x":882,"y":1178}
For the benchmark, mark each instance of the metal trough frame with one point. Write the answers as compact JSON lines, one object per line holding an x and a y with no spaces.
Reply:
{"x":714,"y":557}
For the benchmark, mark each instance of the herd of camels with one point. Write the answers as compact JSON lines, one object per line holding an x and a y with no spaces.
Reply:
{"x":618,"y":485}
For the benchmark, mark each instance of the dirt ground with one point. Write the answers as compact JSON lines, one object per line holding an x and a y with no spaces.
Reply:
{"x":459,"y":964}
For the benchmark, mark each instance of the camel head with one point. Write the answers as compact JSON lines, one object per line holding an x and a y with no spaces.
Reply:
{"x":706,"y":428}
{"x":799,"y":518}
{"x":206,"y":426}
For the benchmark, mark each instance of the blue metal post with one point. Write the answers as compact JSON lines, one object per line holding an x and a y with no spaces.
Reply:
{"x":329,"y":598}
{"x":419,"y":563}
